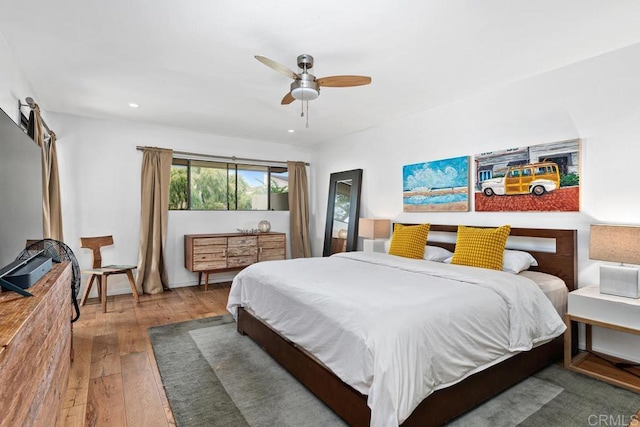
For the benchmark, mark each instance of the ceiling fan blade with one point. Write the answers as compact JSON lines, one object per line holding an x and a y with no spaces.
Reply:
{"x":288,"y":99}
{"x":278,"y":67}
{"x":344,"y":81}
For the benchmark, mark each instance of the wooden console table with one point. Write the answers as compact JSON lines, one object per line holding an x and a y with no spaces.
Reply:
{"x":35,"y":345}
{"x":214,"y":253}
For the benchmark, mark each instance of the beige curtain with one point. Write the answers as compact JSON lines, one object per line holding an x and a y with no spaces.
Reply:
{"x":51,"y":206}
{"x":299,"y":210}
{"x":154,"y":210}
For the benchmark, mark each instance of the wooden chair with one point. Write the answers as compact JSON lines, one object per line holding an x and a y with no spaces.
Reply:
{"x":102,"y":273}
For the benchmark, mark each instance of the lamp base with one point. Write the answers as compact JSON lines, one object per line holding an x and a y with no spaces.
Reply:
{"x":369,"y":245}
{"x":619,"y":281}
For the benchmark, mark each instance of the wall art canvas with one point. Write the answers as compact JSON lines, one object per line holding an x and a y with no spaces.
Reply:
{"x":437,"y":186}
{"x":543,"y":177}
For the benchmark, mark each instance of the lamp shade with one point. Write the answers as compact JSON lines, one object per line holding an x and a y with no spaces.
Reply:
{"x":618,"y":243}
{"x":372,"y":228}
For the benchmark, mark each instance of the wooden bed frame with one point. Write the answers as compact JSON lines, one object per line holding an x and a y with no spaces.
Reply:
{"x":445,"y":404}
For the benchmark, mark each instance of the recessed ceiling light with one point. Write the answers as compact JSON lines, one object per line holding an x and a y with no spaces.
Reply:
{"x":133,"y":105}
{"x":291,"y":131}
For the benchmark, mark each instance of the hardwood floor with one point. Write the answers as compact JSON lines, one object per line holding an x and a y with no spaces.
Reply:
{"x":114,"y":380}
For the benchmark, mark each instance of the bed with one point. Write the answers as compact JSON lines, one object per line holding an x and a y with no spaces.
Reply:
{"x":345,"y":393}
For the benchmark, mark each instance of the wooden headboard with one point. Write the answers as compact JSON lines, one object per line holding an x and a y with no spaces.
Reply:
{"x":562,"y":263}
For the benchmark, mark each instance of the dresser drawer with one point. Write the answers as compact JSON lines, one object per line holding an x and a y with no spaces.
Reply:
{"x":209,"y":241}
{"x":271,"y":254}
{"x":242,"y":241}
{"x":245,"y":247}
{"x":209,"y":250}
{"x":209,"y":264}
{"x":241,"y":261}
{"x":271,"y":240}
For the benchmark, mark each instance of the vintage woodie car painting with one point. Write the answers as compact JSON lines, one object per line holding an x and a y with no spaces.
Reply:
{"x":541,"y":177}
{"x":533,"y":178}
{"x":436,"y":186}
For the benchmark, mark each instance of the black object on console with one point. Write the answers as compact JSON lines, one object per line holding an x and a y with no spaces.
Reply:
{"x":27,"y":275}
{"x":23,"y":266}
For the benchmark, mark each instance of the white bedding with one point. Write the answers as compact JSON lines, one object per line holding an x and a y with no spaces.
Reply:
{"x":393,"y":328}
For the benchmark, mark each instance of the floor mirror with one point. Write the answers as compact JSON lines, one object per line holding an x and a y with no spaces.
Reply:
{"x":343,"y":211}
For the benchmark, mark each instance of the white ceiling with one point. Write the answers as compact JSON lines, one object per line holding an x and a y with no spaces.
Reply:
{"x":190,"y":64}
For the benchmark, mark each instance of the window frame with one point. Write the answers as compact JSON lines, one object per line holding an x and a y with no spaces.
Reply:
{"x":230,"y":167}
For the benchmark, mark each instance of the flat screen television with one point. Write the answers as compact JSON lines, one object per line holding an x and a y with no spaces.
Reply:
{"x":20,"y":190}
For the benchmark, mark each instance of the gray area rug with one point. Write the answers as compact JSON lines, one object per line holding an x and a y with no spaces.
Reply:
{"x":214,"y":377}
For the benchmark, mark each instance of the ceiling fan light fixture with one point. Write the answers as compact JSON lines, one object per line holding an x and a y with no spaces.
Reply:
{"x":305,"y":93}
{"x":305,"y":89}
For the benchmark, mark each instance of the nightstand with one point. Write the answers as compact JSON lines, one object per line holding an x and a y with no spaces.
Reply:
{"x":587,"y":305}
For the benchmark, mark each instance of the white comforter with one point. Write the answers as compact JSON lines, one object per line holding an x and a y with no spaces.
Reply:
{"x":393,"y":328}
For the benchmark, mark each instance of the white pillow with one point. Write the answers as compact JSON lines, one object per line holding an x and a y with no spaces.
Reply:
{"x":436,"y":253}
{"x":517,"y":261}
{"x":513,"y":261}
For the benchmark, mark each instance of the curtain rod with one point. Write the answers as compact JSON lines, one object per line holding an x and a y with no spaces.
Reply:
{"x":31,"y":104}
{"x":211,"y":156}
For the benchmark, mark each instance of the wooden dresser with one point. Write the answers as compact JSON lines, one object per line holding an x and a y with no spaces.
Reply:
{"x":35,"y":345}
{"x":212,"y":253}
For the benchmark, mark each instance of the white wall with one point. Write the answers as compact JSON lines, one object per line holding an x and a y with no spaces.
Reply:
{"x":13,"y":85}
{"x":100,"y":185}
{"x":596,"y":100}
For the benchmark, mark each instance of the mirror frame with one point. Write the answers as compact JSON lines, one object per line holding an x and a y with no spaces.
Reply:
{"x":355,"y":176}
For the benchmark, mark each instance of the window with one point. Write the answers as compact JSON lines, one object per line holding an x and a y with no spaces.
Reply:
{"x":542,"y":170}
{"x":211,"y":185}
{"x":178,"y":185}
{"x":485,"y":175}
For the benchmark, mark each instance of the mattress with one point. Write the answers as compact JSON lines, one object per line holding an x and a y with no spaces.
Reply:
{"x":553,"y":288}
{"x":397,"y":329}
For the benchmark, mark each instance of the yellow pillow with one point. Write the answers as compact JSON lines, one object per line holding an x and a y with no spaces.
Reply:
{"x":481,"y":247}
{"x":409,"y":241}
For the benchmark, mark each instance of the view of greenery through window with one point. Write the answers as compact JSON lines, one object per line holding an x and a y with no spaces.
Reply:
{"x":342,"y":202}
{"x":205,"y":185}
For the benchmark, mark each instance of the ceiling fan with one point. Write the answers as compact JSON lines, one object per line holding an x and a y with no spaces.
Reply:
{"x":305,"y":86}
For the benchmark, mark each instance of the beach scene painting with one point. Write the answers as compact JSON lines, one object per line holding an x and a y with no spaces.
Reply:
{"x":437,"y":186}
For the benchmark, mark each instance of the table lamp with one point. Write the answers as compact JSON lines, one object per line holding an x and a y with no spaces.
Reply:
{"x":617,"y":243}
{"x":372,"y":229}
